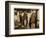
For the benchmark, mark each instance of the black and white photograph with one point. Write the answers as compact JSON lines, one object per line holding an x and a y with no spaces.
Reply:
{"x":26,"y":18}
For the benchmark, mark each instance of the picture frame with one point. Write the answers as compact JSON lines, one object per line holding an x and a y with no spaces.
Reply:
{"x":15,"y":8}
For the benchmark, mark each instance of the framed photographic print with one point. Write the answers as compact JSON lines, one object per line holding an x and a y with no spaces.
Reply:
{"x":24,"y":18}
